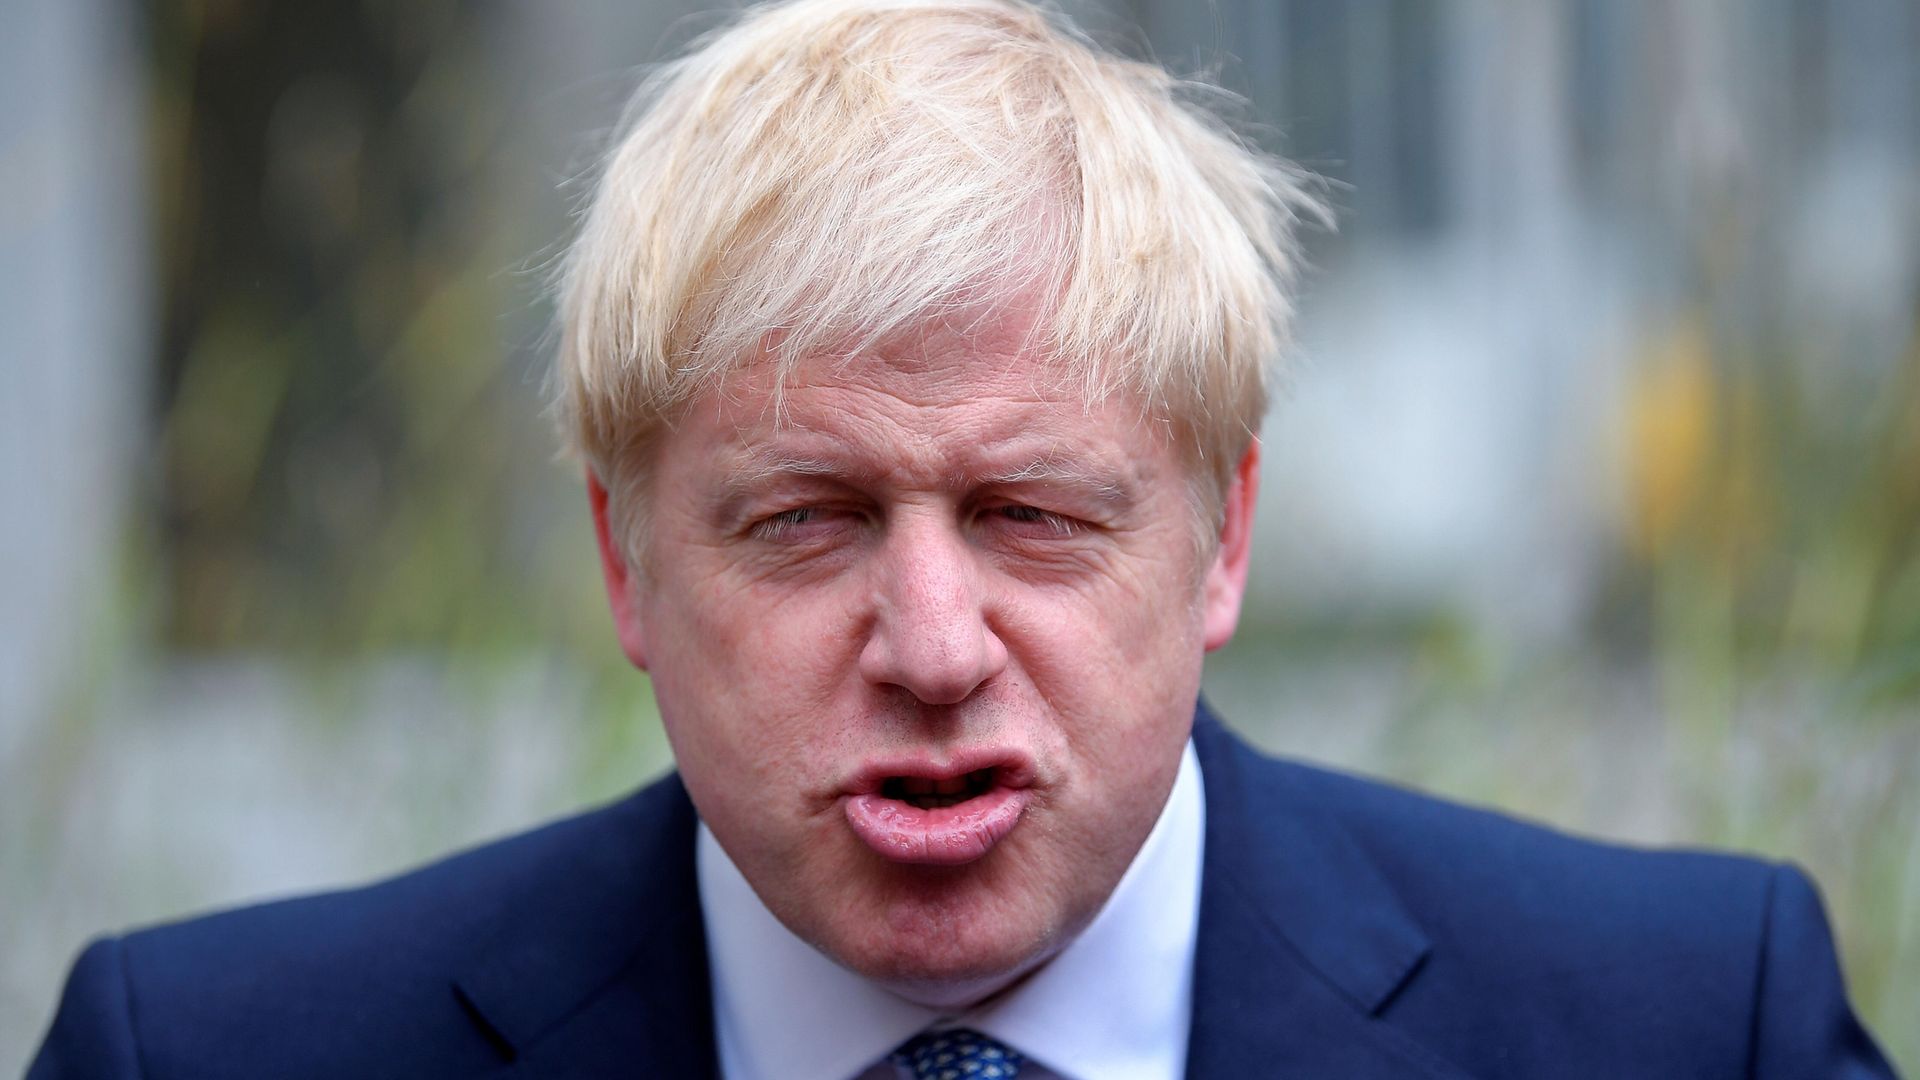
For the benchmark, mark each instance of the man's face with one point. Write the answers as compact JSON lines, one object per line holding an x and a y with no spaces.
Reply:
{"x":926,"y":641}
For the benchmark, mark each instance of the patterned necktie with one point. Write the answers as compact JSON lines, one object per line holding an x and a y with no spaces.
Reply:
{"x":958,"y":1054}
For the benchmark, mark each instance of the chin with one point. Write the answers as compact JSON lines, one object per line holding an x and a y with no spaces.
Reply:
{"x":949,"y":974}
{"x":941,"y":945}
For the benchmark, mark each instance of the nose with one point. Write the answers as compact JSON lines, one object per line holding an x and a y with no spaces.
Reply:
{"x":930,"y":635}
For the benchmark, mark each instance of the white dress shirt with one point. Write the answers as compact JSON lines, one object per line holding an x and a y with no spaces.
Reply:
{"x":1115,"y":1004}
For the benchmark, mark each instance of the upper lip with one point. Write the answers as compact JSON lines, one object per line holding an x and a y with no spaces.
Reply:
{"x":1012,"y":768}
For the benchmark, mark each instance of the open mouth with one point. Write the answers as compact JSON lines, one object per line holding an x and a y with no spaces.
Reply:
{"x":920,"y":812}
{"x":927,"y":794}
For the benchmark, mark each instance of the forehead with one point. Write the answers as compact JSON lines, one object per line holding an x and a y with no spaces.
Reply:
{"x":945,"y":405}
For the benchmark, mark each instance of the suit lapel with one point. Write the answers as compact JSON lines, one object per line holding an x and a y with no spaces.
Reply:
{"x":605,"y":974}
{"x":1301,"y":942}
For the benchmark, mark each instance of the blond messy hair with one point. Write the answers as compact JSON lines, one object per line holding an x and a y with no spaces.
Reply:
{"x":823,"y":174}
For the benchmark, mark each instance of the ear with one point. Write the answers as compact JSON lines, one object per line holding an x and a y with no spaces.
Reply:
{"x":1227,"y":577}
{"x":619,"y":579}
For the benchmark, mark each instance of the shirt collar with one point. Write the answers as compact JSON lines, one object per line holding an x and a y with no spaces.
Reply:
{"x":1116,"y":1002}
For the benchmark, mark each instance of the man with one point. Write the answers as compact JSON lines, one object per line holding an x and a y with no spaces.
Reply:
{"x":914,"y":351}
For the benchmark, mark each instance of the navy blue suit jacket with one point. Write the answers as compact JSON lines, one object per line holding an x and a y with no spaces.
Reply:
{"x":1347,"y":930}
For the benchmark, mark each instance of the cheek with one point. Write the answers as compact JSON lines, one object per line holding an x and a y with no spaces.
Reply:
{"x":1119,"y":678}
{"x":737,"y":637}
{"x":1116,"y":660}
{"x":745,"y":680}
{"x":1140,"y":622}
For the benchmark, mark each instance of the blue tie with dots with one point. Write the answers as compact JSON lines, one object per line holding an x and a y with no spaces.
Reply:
{"x":959,"y":1054}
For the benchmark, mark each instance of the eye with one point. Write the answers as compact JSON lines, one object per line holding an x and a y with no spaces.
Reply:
{"x":788,"y":524}
{"x":1033,"y":521}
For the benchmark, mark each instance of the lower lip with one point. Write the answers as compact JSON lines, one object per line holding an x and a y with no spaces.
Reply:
{"x":939,"y":836}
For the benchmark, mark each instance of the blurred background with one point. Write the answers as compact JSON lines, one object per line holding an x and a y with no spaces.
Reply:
{"x":1594,"y":493}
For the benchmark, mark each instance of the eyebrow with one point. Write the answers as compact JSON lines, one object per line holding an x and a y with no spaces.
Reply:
{"x":1054,"y":472}
{"x":758,"y":469}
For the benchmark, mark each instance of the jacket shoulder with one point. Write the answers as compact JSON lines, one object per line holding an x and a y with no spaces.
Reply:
{"x":1541,"y":943}
{"x":1475,"y":874}
{"x":1533,"y":902}
{"x":358,"y":981}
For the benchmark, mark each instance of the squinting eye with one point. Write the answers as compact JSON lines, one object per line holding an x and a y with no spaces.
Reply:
{"x":1053,"y":523}
{"x":778,"y":525}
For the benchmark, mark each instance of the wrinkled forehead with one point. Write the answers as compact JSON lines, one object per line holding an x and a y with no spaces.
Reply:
{"x":969,"y":352}
{"x":945,"y":403}
{"x":997,"y":340}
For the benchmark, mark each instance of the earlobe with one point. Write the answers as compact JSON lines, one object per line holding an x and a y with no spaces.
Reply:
{"x":620,"y":582}
{"x":1227,"y":577}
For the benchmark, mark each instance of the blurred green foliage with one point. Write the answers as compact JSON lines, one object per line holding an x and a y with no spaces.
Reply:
{"x":352,"y":456}
{"x":1778,"y":558}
